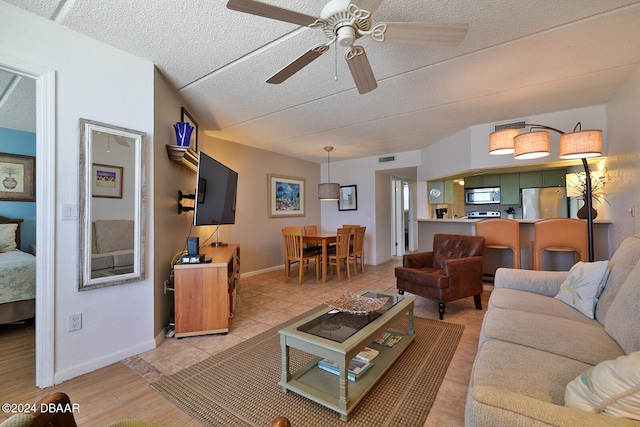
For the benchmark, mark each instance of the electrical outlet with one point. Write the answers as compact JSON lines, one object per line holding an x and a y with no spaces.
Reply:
{"x":75,"y":322}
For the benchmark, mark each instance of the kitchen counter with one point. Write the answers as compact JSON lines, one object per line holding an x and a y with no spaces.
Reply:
{"x":428,"y":227}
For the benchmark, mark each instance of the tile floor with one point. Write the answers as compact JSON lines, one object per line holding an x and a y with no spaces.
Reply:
{"x":121,"y":390}
{"x":266,"y":300}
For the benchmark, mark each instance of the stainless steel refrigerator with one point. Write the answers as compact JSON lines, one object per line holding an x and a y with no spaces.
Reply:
{"x":541,"y":203}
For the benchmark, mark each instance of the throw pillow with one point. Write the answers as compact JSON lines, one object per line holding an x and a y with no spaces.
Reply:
{"x":8,"y":237}
{"x":611,"y":388}
{"x":583,"y":286}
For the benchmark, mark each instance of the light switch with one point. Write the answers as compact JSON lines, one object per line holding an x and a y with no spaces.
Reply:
{"x":69,"y":212}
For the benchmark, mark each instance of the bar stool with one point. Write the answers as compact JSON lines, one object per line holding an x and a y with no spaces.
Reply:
{"x":501,"y":233}
{"x":559,"y":235}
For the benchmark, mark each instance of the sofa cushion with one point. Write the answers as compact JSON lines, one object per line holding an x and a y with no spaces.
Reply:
{"x":525,"y":370}
{"x":8,"y":237}
{"x":526,"y":301}
{"x":583,"y":285}
{"x":584,"y":342}
{"x":622,"y":262}
{"x":122,"y":258}
{"x":611,"y":387}
{"x":100,"y":262}
{"x":623,"y":318}
{"x":113,"y":235}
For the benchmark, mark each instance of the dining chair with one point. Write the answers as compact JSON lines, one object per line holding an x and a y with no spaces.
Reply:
{"x":501,"y":233}
{"x":560,"y":235}
{"x":340,"y":252}
{"x":312,"y":229}
{"x":295,"y":252}
{"x":356,"y":249}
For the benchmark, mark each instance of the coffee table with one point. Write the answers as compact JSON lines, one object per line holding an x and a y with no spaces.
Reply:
{"x":339,"y":337}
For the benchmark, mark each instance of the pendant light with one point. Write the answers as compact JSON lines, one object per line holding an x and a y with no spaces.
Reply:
{"x":330,"y":190}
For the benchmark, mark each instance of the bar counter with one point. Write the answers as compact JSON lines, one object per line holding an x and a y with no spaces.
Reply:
{"x":495,"y":258}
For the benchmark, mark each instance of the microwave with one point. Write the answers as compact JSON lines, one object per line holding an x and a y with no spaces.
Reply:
{"x":482,"y":196}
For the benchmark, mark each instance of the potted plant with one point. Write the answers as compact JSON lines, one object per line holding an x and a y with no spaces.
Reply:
{"x":9,"y":181}
{"x":510,"y":212}
{"x":597,"y":191}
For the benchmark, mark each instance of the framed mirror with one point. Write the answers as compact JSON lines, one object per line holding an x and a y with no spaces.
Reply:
{"x":112,"y":202}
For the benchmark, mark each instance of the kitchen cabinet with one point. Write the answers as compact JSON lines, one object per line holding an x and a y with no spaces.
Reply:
{"x":482,"y":181}
{"x":440,"y":192}
{"x":544,"y":178}
{"x":510,"y":188}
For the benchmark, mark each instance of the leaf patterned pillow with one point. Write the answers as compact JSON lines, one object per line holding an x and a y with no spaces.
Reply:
{"x":584,"y":285}
{"x":8,"y":237}
{"x":611,"y":388}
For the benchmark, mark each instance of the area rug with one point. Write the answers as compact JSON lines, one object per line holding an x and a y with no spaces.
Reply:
{"x":239,"y":386}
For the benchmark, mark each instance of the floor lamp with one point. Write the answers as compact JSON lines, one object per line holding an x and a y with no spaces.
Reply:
{"x":578,"y":144}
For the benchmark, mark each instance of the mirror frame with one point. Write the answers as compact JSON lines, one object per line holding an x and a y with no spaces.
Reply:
{"x":87,"y":129}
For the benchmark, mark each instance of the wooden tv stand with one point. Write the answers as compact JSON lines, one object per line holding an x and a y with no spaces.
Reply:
{"x":205,"y":293}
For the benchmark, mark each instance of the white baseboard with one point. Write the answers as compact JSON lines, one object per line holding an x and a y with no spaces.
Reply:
{"x":95,"y":364}
{"x":265,"y":270}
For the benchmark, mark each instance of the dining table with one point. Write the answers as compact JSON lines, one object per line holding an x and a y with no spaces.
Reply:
{"x":323,"y":239}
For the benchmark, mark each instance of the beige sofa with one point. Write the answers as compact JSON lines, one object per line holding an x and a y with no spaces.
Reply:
{"x":532,"y":345}
{"x":112,"y":245}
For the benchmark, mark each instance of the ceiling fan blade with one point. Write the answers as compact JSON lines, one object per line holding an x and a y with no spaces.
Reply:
{"x":361,"y":70}
{"x":368,"y":5}
{"x":419,"y":32}
{"x":298,"y":64}
{"x":254,"y":7}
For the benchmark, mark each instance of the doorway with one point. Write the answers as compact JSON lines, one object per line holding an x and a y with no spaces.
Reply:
{"x":404,"y":224}
{"x":45,"y":211}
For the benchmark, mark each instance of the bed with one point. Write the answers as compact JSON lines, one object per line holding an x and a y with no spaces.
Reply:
{"x":17,"y":275}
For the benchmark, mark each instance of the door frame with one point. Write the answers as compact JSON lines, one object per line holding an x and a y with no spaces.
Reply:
{"x":45,"y":79}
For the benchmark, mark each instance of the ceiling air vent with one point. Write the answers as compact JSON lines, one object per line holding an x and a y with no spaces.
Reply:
{"x":514,"y":125}
{"x":386,"y":159}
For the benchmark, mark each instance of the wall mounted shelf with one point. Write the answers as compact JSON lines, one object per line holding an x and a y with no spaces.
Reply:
{"x":184,"y":156}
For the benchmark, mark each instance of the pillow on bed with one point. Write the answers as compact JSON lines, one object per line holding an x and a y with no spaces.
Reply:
{"x":8,"y":237}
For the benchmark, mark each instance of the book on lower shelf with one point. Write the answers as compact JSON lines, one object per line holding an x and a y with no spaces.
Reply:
{"x":388,"y":339}
{"x":367,"y":354}
{"x":356,"y":368}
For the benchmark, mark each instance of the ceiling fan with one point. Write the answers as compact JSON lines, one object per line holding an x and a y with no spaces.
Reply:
{"x":345,"y":21}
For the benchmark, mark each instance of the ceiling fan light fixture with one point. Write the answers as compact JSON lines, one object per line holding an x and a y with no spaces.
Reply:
{"x":346,"y":35}
{"x":531,"y":145}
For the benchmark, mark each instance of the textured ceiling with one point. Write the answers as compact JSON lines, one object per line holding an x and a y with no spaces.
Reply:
{"x":519,"y":58}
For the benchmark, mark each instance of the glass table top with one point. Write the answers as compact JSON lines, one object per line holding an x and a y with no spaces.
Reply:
{"x":339,"y":326}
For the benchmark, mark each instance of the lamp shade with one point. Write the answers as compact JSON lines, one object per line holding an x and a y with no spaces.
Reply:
{"x":501,"y":142}
{"x":581,"y":144}
{"x":329,"y":191}
{"x":531,"y":145}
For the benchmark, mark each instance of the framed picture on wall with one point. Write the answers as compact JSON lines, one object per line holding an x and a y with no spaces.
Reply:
{"x":17,"y":174}
{"x":286,"y":196}
{"x":106,"y":181}
{"x":348,"y":200}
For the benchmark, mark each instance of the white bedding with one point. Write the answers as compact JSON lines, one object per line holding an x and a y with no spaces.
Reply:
{"x":17,"y":276}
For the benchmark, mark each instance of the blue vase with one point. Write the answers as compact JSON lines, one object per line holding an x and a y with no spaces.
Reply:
{"x":183,"y":133}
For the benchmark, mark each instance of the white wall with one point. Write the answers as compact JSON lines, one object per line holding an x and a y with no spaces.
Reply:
{"x":100,"y":83}
{"x":374,"y":200}
{"x":623,"y":162}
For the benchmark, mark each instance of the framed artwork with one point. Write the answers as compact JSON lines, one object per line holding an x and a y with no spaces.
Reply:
{"x":18,"y":175}
{"x":186,"y":117}
{"x":348,"y":200}
{"x":286,"y":196}
{"x":106,"y":181}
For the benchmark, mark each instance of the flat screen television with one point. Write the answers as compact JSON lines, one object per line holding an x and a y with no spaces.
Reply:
{"x":216,"y":188}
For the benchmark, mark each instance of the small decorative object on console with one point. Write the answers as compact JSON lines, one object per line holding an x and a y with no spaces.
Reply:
{"x":357,"y":304}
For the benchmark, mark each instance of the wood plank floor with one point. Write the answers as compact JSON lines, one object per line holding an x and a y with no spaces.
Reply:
{"x":121,"y":390}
